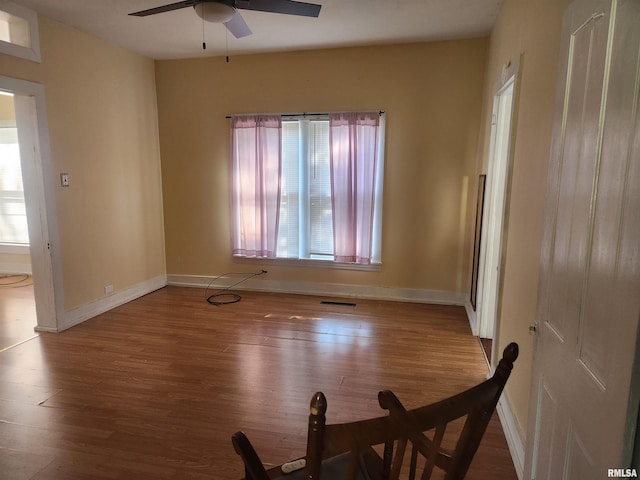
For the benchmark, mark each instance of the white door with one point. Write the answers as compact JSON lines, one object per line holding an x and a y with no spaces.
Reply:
{"x":589,"y":298}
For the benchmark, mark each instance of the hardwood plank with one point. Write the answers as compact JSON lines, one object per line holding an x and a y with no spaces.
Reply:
{"x":17,"y":309}
{"x":155,"y":388}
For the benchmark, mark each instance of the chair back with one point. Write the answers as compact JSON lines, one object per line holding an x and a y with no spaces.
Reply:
{"x":351,"y":451}
{"x":424,"y":427}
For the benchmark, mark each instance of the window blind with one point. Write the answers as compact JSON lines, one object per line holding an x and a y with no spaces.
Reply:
{"x":306,"y":227}
{"x":320,"y":210}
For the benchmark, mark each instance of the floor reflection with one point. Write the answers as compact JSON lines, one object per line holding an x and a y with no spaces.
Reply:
{"x":17,"y":310}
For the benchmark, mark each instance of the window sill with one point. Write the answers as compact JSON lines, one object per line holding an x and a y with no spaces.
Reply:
{"x":309,"y":263}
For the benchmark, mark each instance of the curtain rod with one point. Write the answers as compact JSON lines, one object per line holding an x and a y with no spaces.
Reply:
{"x":303,"y":114}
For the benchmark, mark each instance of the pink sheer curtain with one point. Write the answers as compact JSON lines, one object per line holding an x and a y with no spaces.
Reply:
{"x":354,"y":142}
{"x":255,"y":179}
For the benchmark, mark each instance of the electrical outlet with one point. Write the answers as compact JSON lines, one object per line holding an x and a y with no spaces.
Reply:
{"x":108,"y":289}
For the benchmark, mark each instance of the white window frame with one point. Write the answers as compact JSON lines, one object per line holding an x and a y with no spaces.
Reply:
{"x":29,"y":53}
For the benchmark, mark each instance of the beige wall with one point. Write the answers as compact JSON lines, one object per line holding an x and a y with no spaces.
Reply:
{"x":7,"y":111}
{"x":530,"y":30}
{"x":102,"y":118}
{"x":432,"y":95}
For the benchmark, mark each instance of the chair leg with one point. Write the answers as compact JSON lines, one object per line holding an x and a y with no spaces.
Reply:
{"x":414,"y":461}
{"x":387,"y":458}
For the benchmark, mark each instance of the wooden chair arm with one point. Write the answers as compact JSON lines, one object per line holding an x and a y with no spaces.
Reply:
{"x":254,"y":470}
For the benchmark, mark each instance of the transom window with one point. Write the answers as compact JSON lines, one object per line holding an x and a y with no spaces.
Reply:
{"x":14,"y":29}
{"x":19,"y":31}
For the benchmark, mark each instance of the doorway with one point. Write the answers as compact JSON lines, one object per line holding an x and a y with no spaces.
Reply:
{"x":17,"y":315}
{"x":31,"y":125}
{"x":494,"y":209}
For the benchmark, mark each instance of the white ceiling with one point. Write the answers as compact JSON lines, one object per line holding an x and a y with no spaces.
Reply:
{"x":179,"y":34}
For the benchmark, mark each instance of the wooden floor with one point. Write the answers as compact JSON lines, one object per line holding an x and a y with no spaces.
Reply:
{"x":155,"y":388}
{"x":17,"y":310}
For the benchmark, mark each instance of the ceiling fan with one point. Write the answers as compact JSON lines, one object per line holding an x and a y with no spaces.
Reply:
{"x":226,"y":11}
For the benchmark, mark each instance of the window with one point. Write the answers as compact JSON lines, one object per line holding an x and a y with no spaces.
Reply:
{"x":13,"y":216}
{"x":308,"y":187}
{"x":19,"y":31}
{"x":306,"y":219}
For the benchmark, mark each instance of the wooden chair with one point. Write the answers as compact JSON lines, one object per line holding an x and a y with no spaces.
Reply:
{"x":349,"y":451}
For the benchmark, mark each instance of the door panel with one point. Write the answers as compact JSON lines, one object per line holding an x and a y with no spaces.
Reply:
{"x":589,"y":297}
{"x":581,"y":465}
{"x":578,"y":162}
{"x":547,"y":418}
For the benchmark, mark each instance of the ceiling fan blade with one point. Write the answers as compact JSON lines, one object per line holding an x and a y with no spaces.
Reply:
{"x":237,"y":26}
{"x":165,"y":8}
{"x":288,"y":7}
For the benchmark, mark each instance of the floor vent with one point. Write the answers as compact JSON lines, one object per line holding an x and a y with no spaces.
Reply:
{"x":344,"y":304}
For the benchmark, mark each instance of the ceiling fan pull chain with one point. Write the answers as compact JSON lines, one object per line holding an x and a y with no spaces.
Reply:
{"x":226,"y":41}
{"x":204,"y":44}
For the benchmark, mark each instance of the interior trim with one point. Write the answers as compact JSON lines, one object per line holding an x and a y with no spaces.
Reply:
{"x":512,"y":434}
{"x":80,"y":314}
{"x":441,"y":297}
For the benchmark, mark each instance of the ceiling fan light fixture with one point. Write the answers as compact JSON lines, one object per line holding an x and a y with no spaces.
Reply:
{"x":215,"y":12}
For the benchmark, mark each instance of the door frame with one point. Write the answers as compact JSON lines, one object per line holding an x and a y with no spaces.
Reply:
{"x":37,"y":173}
{"x":490,"y":287}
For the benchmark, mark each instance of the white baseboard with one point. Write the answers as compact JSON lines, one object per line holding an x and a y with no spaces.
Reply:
{"x":512,"y":434}
{"x":473,"y":318}
{"x":90,"y":310}
{"x":441,"y":297}
{"x":16,"y":268}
